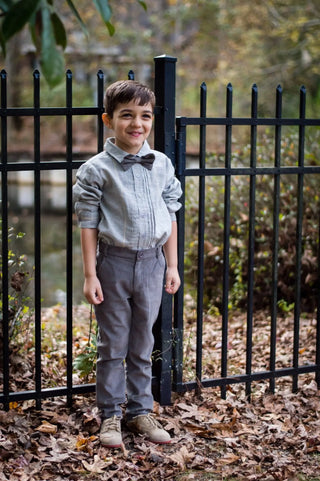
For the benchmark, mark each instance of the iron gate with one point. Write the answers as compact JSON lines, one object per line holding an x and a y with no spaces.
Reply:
{"x":227,"y":172}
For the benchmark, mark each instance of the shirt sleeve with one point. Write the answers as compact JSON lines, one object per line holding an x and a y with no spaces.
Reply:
{"x":87,"y":194}
{"x":172,"y":191}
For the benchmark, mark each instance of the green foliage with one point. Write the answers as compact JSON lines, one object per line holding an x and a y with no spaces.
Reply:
{"x":19,"y":301}
{"x":51,"y":59}
{"x":264,"y":230}
{"x":284,"y":307}
{"x":104,"y":9}
{"x":16,"y":16}
{"x":85,"y":362}
{"x":47,"y":29}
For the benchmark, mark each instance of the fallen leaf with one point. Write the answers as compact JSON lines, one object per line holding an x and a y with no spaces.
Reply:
{"x":57,"y":457}
{"x":182,"y":457}
{"x":85,"y":444}
{"x":173,"y":424}
{"x":48,"y":428}
{"x":229,"y":458}
{"x":98,"y":466}
{"x":201,"y":431}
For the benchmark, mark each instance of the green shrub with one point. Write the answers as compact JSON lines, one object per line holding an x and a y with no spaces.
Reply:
{"x":264,"y":231}
{"x":20,"y":308}
{"x":85,"y":362}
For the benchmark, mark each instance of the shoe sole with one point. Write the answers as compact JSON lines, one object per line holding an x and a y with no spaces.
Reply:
{"x":160,"y":442}
{"x":111,"y":445}
{"x":148,"y":439}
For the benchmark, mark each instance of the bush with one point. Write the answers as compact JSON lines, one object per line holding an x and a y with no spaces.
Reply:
{"x":264,"y":231}
{"x":19,"y":302}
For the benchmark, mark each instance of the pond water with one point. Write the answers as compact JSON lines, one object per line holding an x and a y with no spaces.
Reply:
{"x":53,"y":239}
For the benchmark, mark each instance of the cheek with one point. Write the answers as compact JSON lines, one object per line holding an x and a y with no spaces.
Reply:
{"x":148,"y":128}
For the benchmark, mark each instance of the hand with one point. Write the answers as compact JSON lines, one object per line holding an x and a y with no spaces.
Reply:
{"x":172,"y":280}
{"x":92,"y":290}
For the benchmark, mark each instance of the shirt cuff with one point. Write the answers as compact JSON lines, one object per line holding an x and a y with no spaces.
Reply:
{"x":87,"y":219}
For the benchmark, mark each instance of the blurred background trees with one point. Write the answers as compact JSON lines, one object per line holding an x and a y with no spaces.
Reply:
{"x":267,"y":42}
{"x":218,"y":41}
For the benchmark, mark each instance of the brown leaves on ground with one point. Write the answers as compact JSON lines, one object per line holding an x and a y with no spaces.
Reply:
{"x":273,"y":437}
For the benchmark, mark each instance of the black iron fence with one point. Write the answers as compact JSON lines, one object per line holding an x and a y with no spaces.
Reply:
{"x":170,"y":137}
{"x":253,"y":171}
{"x":38,"y":166}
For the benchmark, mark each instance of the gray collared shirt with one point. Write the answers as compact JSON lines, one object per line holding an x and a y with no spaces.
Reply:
{"x":133,"y":208}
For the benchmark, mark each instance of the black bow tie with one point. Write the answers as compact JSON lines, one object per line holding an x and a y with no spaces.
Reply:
{"x":145,"y":160}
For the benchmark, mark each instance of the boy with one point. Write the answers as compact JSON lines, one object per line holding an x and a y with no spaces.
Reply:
{"x":125,"y":199}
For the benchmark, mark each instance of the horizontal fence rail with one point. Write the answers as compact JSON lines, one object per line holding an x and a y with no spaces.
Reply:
{"x":228,"y":171}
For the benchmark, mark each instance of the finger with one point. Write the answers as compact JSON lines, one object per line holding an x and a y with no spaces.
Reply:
{"x":99,"y":296}
{"x":169,"y":288}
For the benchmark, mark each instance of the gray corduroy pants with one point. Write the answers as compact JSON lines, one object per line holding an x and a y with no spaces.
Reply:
{"x":132,"y":283}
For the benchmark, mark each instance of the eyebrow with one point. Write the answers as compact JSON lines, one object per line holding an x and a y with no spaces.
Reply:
{"x":130,"y":110}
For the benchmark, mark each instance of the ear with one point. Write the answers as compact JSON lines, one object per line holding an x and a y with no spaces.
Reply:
{"x":107,"y":120}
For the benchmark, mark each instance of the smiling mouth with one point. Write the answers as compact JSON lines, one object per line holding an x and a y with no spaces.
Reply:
{"x":135,"y":134}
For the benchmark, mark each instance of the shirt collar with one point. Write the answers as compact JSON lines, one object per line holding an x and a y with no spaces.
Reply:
{"x":118,"y":154}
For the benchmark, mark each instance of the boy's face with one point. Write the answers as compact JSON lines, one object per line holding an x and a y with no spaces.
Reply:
{"x":131,"y":124}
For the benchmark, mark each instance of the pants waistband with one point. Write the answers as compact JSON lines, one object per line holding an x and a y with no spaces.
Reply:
{"x":126,"y":253}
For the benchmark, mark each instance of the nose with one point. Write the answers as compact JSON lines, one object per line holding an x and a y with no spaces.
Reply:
{"x":136,"y":121}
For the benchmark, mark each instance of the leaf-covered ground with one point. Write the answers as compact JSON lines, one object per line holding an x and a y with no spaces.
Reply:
{"x":271,"y":437}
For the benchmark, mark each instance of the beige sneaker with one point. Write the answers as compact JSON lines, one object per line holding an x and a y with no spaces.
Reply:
{"x":110,"y":432}
{"x":147,"y":425}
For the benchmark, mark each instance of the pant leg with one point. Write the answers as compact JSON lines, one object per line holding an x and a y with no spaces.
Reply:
{"x":146,"y":300}
{"x":114,"y":320}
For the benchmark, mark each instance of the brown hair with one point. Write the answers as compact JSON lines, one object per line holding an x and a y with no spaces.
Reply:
{"x":124,"y":91}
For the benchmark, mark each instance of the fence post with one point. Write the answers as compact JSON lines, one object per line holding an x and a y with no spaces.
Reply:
{"x":164,"y":141}
{"x":165,"y":115}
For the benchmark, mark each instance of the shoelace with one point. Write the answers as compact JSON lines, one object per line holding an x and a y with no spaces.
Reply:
{"x":112,"y":424}
{"x":153,"y":422}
